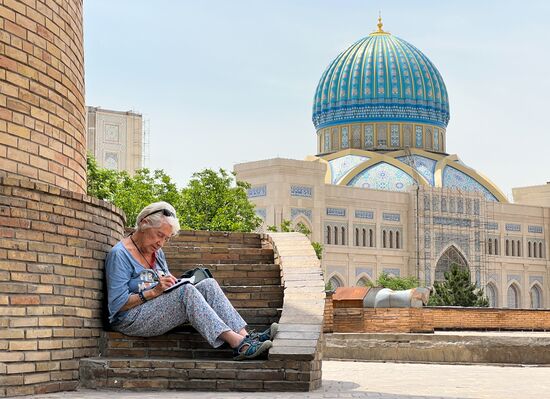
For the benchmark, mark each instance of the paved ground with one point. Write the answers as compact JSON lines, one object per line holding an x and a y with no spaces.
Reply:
{"x":346,"y":379}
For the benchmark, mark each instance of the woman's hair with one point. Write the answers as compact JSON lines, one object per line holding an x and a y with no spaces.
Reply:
{"x":153,"y":215}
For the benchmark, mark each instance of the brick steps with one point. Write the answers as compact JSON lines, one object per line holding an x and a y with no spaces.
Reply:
{"x":202,"y":375}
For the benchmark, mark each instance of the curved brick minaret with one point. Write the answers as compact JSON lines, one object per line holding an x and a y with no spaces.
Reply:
{"x":42,"y":110}
{"x":53,"y":238}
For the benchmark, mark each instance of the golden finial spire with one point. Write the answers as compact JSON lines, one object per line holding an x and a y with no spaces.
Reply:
{"x":380,"y":24}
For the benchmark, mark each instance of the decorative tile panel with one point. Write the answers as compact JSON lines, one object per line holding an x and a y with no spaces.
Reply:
{"x":356,"y":136}
{"x":460,"y":205}
{"x":446,"y":221}
{"x":436,"y":139}
{"x":339,"y":167}
{"x":261,"y":212}
{"x":301,"y":191}
{"x":426,"y":202}
{"x":359,"y":214}
{"x":394,"y":135}
{"x":259,"y":191}
{"x":457,"y":180}
{"x":513,"y":227}
{"x":383,"y":176}
{"x":516,"y":277}
{"x":424,"y":166}
{"x":345,"y":137}
{"x":336,"y":212}
{"x":419,"y":137}
{"x":534,"y":229}
{"x":492,"y":226}
{"x":435,"y":203}
{"x":391,"y":217}
{"x":395,"y":272}
{"x":326,"y":147}
{"x":295,"y":212}
{"x":369,"y":136}
{"x":536,"y":279}
{"x":443,"y":204}
{"x":462,"y":241}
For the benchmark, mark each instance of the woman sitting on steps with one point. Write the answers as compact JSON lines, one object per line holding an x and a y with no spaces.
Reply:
{"x":139,"y":306}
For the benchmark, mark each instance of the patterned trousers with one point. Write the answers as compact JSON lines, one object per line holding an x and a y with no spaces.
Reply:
{"x":204,"y":305}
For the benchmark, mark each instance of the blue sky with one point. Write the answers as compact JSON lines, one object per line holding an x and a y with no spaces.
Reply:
{"x":226,"y":82}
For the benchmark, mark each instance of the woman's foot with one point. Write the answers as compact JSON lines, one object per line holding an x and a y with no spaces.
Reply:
{"x":266,"y":335}
{"x":250,"y":348}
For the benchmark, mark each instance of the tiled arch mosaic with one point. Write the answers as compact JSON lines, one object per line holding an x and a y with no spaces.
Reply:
{"x":383,"y":176}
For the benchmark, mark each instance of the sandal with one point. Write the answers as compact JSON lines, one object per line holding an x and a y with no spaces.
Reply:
{"x":253,"y":349}
{"x":266,"y":335}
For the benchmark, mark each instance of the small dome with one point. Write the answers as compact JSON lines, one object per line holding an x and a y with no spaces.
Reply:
{"x":381,"y":78}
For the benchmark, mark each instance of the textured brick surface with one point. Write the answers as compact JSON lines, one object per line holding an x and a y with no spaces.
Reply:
{"x":42,"y":111}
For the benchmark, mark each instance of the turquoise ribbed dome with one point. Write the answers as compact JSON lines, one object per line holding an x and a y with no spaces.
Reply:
{"x":381,"y":78}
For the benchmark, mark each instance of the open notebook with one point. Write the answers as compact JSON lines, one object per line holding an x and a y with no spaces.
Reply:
{"x":181,"y":281}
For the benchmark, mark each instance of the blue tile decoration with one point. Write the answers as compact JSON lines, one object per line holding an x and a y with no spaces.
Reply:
{"x":301,"y":191}
{"x":516,"y":277}
{"x":424,"y":166}
{"x":339,"y":167}
{"x":259,"y":191}
{"x":395,"y":272}
{"x":443,"y":204}
{"x":476,"y":207}
{"x":427,"y":274}
{"x":536,"y":279}
{"x":369,"y":136}
{"x":512,"y":227}
{"x":436,"y":139}
{"x":418,"y":136}
{"x":426,"y":202}
{"x":534,"y":229}
{"x":446,"y":221}
{"x":294,"y":212}
{"x":366,"y":270}
{"x":383,"y":176}
{"x":336,"y":212}
{"x":394,"y":136}
{"x":327,"y":142}
{"x":468,"y":206}
{"x":452,"y":205}
{"x":345,"y":137}
{"x":427,"y":239}
{"x":460,"y":205}
{"x":435,"y":203}
{"x":461,"y":241}
{"x":477,"y":241}
{"x":356,"y":136}
{"x":359,"y":214}
{"x":381,"y":77}
{"x":391,"y":217}
{"x":492,"y":226}
{"x":457,"y":180}
{"x":261,"y":212}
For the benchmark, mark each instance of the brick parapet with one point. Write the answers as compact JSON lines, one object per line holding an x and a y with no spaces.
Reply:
{"x":42,"y":109}
{"x":52,"y":246}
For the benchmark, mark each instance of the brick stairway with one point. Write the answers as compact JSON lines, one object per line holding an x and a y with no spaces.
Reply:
{"x":250,"y":273}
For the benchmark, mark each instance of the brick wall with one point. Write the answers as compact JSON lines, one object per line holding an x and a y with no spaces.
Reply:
{"x":52,"y":246}
{"x":428,"y":319}
{"x":42,"y":111}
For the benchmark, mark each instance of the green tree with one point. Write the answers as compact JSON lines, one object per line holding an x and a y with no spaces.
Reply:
{"x":212,"y":201}
{"x":102,"y":182}
{"x":457,"y":290}
{"x":396,"y":283}
{"x":286,"y":227}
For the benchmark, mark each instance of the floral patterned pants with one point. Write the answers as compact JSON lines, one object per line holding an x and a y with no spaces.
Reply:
{"x":204,"y":305}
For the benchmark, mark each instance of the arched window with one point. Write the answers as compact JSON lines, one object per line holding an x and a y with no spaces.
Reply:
{"x":397,"y":244}
{"x":507,"y":248}
{"x":450,"y":256}
{"x":490,"y":246}
{"x":335,"y":235}
{"x":364,"y":238}
{"x":540,"y":250}
{"x":356,"y":237}
{"x":328,"y":234}
{"x":335,"y":282}
{"x":343,"y":235}
{"x":529,"y":253}
{"x":371,"y":238}
{"x":519,"y":248}
{"x":491,"y":293}
{"x":391,"y":239}
{"x":496,"y":247}
{"x":535,"y":294}
{"x":384,"y":239}
{"x":363,"y":282}
{"x":513,"y":297}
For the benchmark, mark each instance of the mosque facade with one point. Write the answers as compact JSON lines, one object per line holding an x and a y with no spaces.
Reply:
{"x":383,"y":195}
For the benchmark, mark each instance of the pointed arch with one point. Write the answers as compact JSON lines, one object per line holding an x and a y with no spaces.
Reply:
{"x":363,"y":280}
{"x":336,"y":280}
{"x":535,"y":296}
{"x":513,"y":296}
{"x":449,"y":256}
{"x":492,"y":294}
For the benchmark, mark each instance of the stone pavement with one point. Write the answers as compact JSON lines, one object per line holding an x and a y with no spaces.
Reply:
{"x":347,"y":379}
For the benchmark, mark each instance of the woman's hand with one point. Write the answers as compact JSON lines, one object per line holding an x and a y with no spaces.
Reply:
{"x":164,"y":283}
